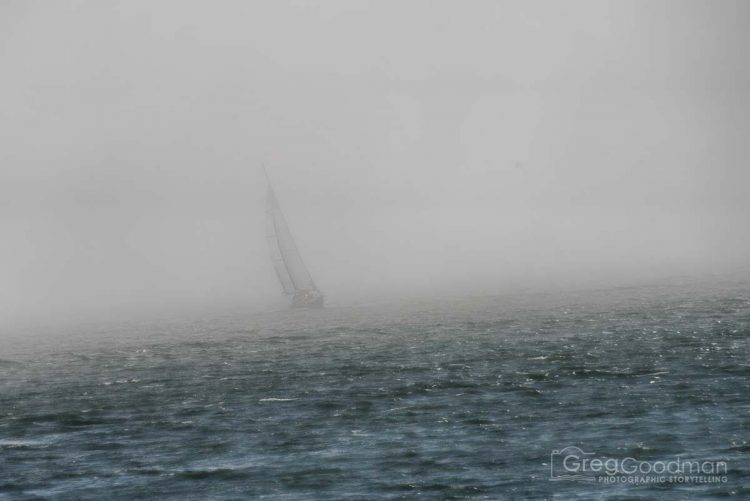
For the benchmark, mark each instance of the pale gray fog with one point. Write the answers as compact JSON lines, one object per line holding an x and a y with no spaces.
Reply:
{"x":419,"y":149}
{"x":499,"y":235}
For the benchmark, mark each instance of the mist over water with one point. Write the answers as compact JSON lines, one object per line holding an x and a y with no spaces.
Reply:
{"x":529,"y":220}
{"x":417,"y":148}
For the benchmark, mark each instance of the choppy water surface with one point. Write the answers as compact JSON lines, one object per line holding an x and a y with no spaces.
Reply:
{"x":450,"y":400}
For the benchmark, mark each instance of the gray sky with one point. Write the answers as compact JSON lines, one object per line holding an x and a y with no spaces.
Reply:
{"x":417,"y":147}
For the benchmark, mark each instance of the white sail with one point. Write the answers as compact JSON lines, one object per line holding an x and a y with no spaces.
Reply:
{"x":287,"y":261}
{"x":273,"y":242}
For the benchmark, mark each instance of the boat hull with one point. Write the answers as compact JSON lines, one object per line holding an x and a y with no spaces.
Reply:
{"x":308,"y":299}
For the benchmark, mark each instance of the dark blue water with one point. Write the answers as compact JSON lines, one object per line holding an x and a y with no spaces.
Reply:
{"x":446,"y":400}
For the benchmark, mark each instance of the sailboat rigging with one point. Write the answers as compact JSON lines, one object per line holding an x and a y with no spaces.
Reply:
{"x":296,"y":281}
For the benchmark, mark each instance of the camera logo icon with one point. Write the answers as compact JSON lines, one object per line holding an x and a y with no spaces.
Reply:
{"x":570,"y":464}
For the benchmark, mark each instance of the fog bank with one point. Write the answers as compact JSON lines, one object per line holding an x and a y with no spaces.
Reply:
{"x":417,"y":148}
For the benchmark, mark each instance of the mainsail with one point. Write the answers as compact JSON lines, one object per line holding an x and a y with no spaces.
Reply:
{"x":293,"y":274}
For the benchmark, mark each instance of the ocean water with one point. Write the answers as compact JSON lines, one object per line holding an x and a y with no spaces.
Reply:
{"x":450,"y":399}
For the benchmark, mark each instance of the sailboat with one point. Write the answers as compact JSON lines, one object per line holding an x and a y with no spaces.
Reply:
{"x":296,"y":281}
